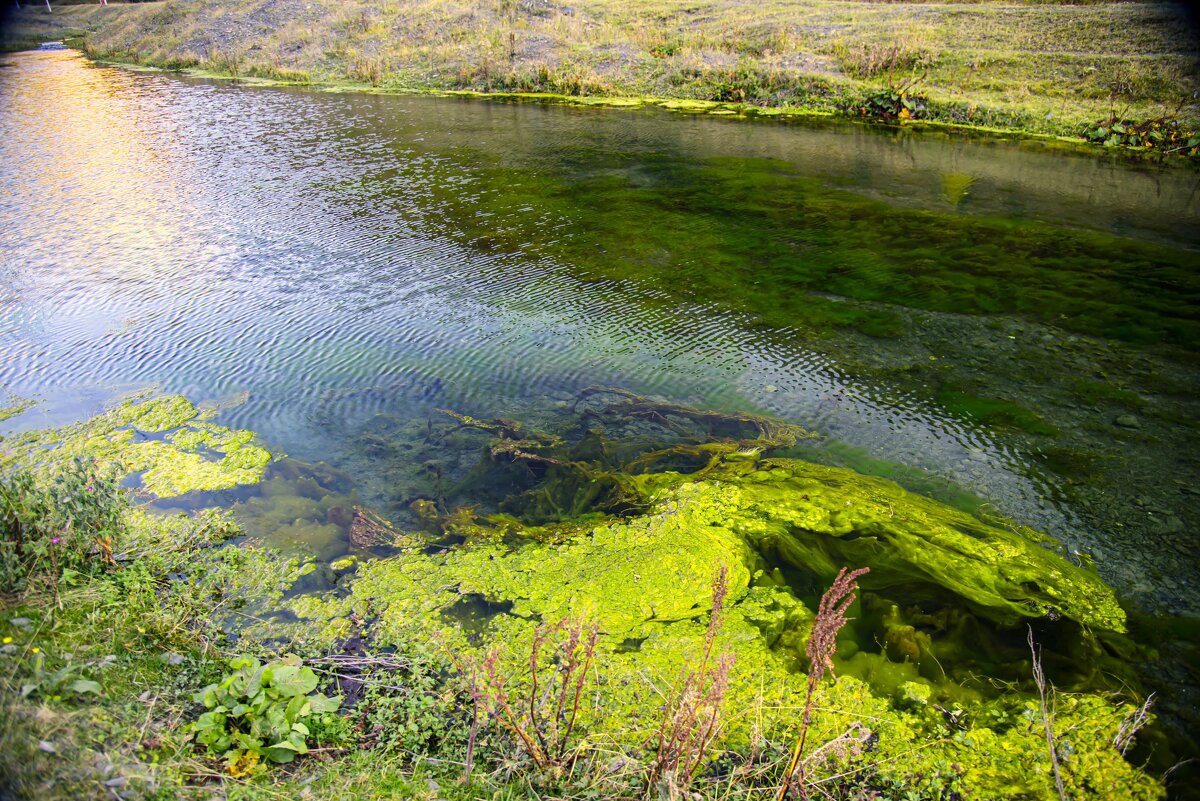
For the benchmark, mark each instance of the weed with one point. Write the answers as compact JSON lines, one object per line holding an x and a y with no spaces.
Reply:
{"x":692,"y":716}
{"x":871,"y":60}
{"x":822,"y":645}
{"x":57,"y":523}
{"x":544,"y":718}
{"x":367,"y":69}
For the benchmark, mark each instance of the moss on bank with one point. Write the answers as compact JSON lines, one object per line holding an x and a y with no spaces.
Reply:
{"x":476,"y":593}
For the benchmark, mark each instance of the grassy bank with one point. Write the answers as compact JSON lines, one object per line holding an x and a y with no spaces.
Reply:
{"x":1042,"y":67}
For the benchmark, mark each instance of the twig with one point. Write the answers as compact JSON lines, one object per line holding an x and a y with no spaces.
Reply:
{"x":1132,"y":724}
{"x":1039,"y":678}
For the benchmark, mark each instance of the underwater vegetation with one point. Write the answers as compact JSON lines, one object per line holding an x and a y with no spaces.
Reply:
{"x":758,"y":237}
{"x":164,"y":442}
{"x":658,"y":570}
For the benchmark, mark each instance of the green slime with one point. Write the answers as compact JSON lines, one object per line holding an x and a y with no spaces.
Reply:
{"x":193,"y":455}
{"x":645,"y":578}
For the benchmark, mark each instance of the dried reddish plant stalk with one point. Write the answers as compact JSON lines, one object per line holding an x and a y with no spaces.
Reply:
{"x":692,"y":716}
{"x":545,"y":721}
{"x":822,"y":645}
{"x":1039,"y":678}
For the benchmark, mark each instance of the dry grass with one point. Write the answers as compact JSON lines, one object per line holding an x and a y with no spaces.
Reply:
{"x":1039,"y":66}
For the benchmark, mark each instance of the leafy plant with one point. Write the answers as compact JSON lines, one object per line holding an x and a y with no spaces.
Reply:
{"x":261,"y":712}
{"x":894,"y":104}
{"x":407,"y":703}
{"x":52,"y":685}
{"x":65,"y":519}
{"x":898,"y":100}
{"x":1163,"y":134}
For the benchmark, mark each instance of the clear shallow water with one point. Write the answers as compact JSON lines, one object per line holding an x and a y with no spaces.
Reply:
{"x":978,"y":319}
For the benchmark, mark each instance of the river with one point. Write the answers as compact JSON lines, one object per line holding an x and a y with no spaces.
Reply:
{"x":984,"y":319}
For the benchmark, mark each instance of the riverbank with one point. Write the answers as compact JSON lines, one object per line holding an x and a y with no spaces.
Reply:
{"x":1051,"y":69}
{"x":441,"y":667}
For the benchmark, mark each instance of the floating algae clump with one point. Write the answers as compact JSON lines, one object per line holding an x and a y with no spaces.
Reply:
{"x":161,"y":438}
{"x":629,"y":574}
{"x":819,"y":518}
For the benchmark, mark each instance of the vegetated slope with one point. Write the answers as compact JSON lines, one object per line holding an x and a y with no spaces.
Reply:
{"x":1044,"y":67}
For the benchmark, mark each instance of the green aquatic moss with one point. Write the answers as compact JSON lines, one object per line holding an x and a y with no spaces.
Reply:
{"x":154,"y":415}
{"x":7,"y":412}
{"x":819,"y":518}
{"x":193,"y":456}
{"x":788,"y":251}
{"x":996,"y":412}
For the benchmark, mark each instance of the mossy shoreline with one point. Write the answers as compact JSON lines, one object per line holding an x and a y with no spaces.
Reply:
{"x":103,"y":664}
{"x":706,"y":108}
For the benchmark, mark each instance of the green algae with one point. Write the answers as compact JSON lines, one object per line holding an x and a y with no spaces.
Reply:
{"x":921,"y":482}
{"x":626,"y":575}
{"x":819,"y":518}
{"x":193,"y":456}
{"x":15,"y":409}
{"x":788,"y":251}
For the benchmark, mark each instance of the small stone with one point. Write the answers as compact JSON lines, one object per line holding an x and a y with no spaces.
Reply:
{"x":21,"y":622}
{"x":1128,"y":421}
{"x":1168,"y":524}
{"x":48,"y":747}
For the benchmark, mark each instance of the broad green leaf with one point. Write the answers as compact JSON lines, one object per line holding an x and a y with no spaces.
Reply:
{"x":280,"y":755}
{"x":291,"y":680}
{"x":255,"y":683}
{"x":322,"y":704}
{"x":295,"y":709}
